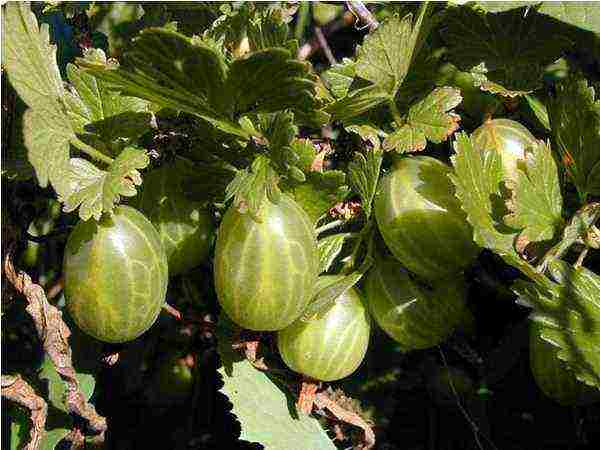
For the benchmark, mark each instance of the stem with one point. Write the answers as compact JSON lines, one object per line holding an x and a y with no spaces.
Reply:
{"x":330,"y":226}
{"x":91,"y":151}
{"x":325,"y":46}
{"x":360,"y":10}
{"x":395,"y":112}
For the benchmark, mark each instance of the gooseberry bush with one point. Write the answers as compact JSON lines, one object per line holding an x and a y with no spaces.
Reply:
{"x":345,"y":202}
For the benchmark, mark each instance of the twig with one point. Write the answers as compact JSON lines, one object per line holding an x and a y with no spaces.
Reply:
{"x":56,"y":288}
{"x":76,"y":438}
{"x":16,"y":389}
{"x":308,"y":390}
{"x":362,"y":13}
{"x":307,"y":50}
{"x":324,"y":402}
{"x":54,"y":334}
{"x":172,"y":311}
{"x":330,"y":226}
{"x":325,"y":46}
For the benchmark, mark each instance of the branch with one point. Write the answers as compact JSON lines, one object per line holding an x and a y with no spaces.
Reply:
{"x":324,"y":401}
{"x":54,"y":334}
{"x":362,"y":13}
{"x":16,"y":389}
{"x":325,"y":46}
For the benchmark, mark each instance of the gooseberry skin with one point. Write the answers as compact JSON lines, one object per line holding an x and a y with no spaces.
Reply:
{"x":331,"y":345}
{"x":115,"y":275}
{"x":185,"y":228}
{"x":421,"y":220}
{"x":265,"y":271}
{"x":507,"y":137}
{"x":413,"y":315}
{"x":552,"y":376}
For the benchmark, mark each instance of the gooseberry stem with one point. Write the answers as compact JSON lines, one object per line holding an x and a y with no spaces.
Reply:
{"x":91,"y":151}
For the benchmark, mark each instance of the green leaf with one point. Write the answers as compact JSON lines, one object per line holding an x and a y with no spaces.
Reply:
{"x":357,"y":102}
{"x":363,"y":176}
{"x":251,"y":186}
{"x":427,"y":119}
{"x":569,"y":313}
{"x":385,"y":55}
{"x":339,"y":77}
{"x":95,"y":191}
{"x":329,"y":248}
{"x":266,"y":413}
{"x":539,"y":110}
{"x":477,"y":177}
{"x":174,"y":71}
{"x":30,"y":62}
{"x":104,"y":114}
{"x":536,"y":202}
{"x":326,"y":295}
{"x":320,"y":192}
{"x":271,"y":80}
{"x":575,"y":120}
{"x":506,"y":52}
{"x":21,"y":424}
{"x":585,"y":15}
{"x":267,"y":31}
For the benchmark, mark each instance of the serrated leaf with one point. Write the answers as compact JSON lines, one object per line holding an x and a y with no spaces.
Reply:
{"x":253,"y":185}
{"x":267,"y":31}
{"x":385,"y":55}
{"x":357,"y":102}
{"x":569,"y":312}
{"x":506,"y":52}
{"x":266,"y":413}
{"x":427,"y":120}
{"x":177,"y":72}
{"x":320,"y":192}
{"x":363,"y":176}
{"x":104,"y":114}
{"x":271,"y":80}
{"x":329,"y":248}
{"x":536,"y":202}
{"x":339,"y":77}
{"x":95,"y":191}
{"x":585,"y":15}
{"x":30,"y":62}
{"x":575,"y":121}
{"x":29,"y":59}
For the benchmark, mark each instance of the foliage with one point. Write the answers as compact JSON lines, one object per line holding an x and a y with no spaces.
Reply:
{"x":262,"y":107}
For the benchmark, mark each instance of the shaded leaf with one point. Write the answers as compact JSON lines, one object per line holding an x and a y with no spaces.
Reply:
{"x":174,"y":71}
{"x":320,"y":192}
{"x":585,"y":15}
{"x":539,"y":110}
{"x":363,"y":176}
{"x":255,"y":396}
{"x":575,"y":120}
{"x":357,"y":102}
{"x":271,"y":80}
{"x":267,"y":31}
{"x":329,"y":248}
{"x":339,"y":77}
{"x":536,"y":202}
{"x":569,"y":315}
{"x":506,"y":52}
{"x":104,"y":113}
{"x":95,"y":191}
{"x":427,"y":119}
